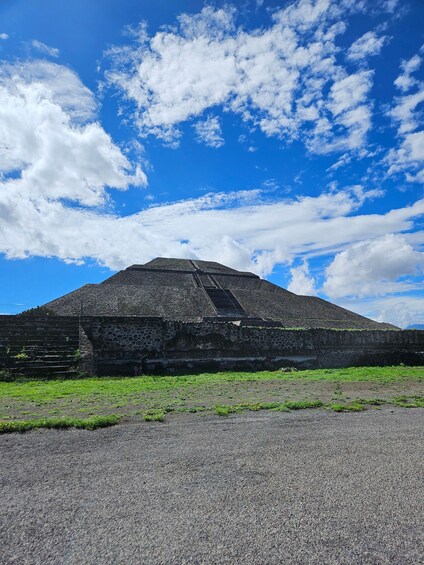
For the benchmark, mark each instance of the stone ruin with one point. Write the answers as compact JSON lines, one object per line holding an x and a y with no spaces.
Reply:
{"x":179,"y":315}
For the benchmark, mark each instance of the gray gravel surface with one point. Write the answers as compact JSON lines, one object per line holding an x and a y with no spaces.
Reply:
{"x":266,"y":487}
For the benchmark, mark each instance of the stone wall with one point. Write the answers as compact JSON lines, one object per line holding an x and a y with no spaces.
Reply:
{"x":60,"y":345}
{"x":153,"y":345}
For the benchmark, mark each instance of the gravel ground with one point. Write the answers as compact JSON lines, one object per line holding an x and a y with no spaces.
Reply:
{"x":266,"y":487}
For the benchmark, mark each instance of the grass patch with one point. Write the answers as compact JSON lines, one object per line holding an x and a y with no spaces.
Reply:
{"x":123,"y":387}
{"x":226,"y":409}
{"x":372,"y":401}
{"x":59,"y":423}
{"x":303,"y":404}
{"x":414,"y":401}
{"x":353,"y":407}
{"x":154,"y":416}
{"x":219,"y":393}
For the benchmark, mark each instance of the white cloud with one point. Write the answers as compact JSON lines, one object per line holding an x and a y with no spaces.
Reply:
{"x":404,"y":111}
{"x":405,"y":81}
{"x":41,"y":135}
{"x":369,"y":44}
{"x":57,"y":161}
{"x":401,"y":311}
{"x":45,"y":49}
{"x":301,"y":280}
{"x":209,"y":132}
{"x":349,"y":109}
{"x":61,"y":86}
{"x":373,"y":267}
{"x":4,"y":36}
{"x":276,"y":78}
{"x":408,"y":157}
{"x":49,"y":154}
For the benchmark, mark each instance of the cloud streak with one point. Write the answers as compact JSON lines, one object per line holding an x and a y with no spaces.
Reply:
{"x":45,"y":49}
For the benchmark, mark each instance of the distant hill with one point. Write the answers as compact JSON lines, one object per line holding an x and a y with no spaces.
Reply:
{"x":415,"y":327}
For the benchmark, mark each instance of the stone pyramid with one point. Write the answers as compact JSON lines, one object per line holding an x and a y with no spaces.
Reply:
{"x":188,"y":290}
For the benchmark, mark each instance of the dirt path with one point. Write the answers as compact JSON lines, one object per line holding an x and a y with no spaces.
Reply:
{"x":266,"y":487}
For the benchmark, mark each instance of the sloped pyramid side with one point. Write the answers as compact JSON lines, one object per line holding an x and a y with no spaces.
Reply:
{"x":180,"y":289}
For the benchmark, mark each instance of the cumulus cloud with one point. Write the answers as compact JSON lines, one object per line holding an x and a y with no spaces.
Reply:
{"x":284,"y":79}
{"x":301,"y":281}
{"x":61,"y":86}
{"x":374,"y":267}
{"x":368,"y":44}
{"x":4,"y":36}
{"x":401,"y":311}
{"x":45,"y":49}
{"x":209,"y":132}
{"x":42,"y":137}
{"x":51,"y":153}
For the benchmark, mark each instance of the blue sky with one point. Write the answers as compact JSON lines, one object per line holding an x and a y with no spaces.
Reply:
{"x":284,"y":138}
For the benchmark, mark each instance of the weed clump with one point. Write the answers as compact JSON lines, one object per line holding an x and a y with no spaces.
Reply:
{"x":224,"y":410}
{"x":371,"y":401}
{"x":354,"y":407}
{"x":154,"y":416}
{"x":405,"y":402}
{"x":303,"y":404}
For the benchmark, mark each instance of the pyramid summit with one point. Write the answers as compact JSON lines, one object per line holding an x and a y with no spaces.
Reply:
{"x":192,"y":290}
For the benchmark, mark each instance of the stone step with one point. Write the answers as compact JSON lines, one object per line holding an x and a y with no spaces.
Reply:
{"x":38,"y":351}
{"x":10,"y":361}
{"x":46,"y":371}
{"x":15,"y":320}
{"x":37,"y":343}
{"x":40,"y":344}
{"x":40,"y":327}
{"x":43,"y":361}
{"x":37,"y":335}
{"x":48,"y":356}
{"x":13,"y":328}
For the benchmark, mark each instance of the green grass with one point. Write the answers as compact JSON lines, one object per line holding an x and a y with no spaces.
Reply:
{"x":98,"y":387}
{"x":371,"y":401}
{"x":59,"y":423}
{"x":353,"y":407}
{"x":405,"y":402}
{"x":152,"y":397}
{"x":226,"y":409}
{"x":222,"y":410}
{"x":154,"y":416}
{"x":303,"y":404}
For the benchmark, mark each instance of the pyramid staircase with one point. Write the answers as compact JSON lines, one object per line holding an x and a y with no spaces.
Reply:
{"x":39,"y":346}
{"x":226,"y":304}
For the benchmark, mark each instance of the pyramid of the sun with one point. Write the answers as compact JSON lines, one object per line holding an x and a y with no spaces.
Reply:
{"x":187,"y":290}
